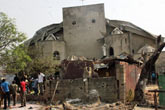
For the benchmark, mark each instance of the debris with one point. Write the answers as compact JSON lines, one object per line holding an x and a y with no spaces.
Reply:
{"x":73,"y":101}
{"x":94,"y":106}
{"x":146,"y":70}
{"x":30,"y":107}
{"x":93,"y":96}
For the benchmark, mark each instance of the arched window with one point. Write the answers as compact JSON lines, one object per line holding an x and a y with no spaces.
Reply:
{"x":111,"y":51}
{"x":56,"y":55}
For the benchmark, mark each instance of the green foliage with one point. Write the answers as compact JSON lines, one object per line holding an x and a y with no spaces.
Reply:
{"x":18,"y":59}
{"x":39,"y":63}
{"x":13,"y":56}
{"x":45,"y":65}
{"x":9,"y":35}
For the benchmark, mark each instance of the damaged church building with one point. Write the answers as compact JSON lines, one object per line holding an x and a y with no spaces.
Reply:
{"x":94,"y":53}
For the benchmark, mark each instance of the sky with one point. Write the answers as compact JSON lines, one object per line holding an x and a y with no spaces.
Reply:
{"x":31,"y":15}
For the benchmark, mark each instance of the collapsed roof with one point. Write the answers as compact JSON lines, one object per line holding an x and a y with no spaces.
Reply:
{"x":127,"y":26}
{"x":44,"y":32}
{"x":146,"y":49}
{"x":55,"y":29}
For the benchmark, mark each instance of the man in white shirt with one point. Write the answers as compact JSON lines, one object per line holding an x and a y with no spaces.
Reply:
{"x":40,"y":82}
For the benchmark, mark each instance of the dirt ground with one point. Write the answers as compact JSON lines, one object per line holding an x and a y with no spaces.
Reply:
{"x":95,"y":106}
{"x":143,"y":108}
{"x":29,"y":106}
{"x":146,"y":108}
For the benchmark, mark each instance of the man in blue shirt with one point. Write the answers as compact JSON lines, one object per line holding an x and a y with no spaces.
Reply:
{"x":5,"y":90}
{"x":153,"y":77}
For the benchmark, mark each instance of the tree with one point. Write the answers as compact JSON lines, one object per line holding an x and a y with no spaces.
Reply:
{"x":13,"y":55}
{"x":16,"y":59}
{"x":9,"y":35}
{"x":146,"y":70}
{"x":45,"y":64}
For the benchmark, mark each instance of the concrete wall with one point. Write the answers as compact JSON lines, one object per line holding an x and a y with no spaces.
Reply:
{"x":110,"y":89}
{"x":127,"y":42}
{"x":82,"y":28}
{"x":138,"y":42}
{"x":120,"y":76}
{"x":106,"y":87}
{"x":118,"y":42}
{"x":48,"y":47}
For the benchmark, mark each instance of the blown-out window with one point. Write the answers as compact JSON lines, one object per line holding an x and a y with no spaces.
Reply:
{"x":56,"y":55}
{"x":111,"y":51}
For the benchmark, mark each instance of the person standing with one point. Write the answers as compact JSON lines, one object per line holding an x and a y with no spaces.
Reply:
{"x":5,"y":90}
{"x":23,"y":92}
{"x":17,"y":80}
{"x":153,"y":77}
{"x":35,"y":86}
{"x":13,"y":91}
{"x":40,"y":82}
{"x":1,"y":93}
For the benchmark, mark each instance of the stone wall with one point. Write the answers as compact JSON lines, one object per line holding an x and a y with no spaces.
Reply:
{"x":79,"y":88}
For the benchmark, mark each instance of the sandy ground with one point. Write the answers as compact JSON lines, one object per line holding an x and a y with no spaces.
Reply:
{"x":144,"y":108}
{"x":114,"y":106}
{"x":29,"y":106}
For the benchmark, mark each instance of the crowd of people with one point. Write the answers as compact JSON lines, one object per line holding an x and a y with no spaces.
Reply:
{"x":20,"y":86}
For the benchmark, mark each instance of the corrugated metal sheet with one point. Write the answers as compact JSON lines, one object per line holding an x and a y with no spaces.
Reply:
{"x":132,"y":74}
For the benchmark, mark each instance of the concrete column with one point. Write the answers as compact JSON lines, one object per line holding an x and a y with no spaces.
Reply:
{"x":120,"y":76}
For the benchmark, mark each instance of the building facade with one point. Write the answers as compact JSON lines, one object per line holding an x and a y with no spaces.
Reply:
{"x":86,"y":32}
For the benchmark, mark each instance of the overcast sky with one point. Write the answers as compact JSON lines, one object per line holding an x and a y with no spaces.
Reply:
{"x":31,"y":15}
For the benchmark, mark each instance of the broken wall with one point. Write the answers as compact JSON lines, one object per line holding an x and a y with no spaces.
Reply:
{"x":71,"y":89}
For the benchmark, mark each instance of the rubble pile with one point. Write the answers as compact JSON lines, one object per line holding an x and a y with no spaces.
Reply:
{"x":94,"y":106}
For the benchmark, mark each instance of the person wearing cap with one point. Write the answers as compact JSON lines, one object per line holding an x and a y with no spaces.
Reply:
{"x":5,"y":90}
